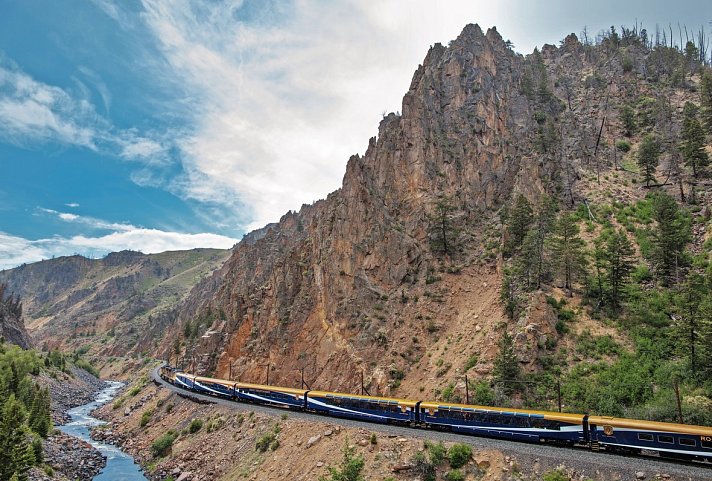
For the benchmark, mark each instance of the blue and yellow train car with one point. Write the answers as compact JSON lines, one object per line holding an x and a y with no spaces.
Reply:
{"x":519,"y":424}
{"x":284,"y":397}
{"x":214,"y":387}
{"x":668,"y":439}
{"x":370,"y":408}
{"x":184,"y":380}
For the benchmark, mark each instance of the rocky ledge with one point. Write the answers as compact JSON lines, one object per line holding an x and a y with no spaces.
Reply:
{"x":70,"y":457}
{"x":73,"y":458}
{"x":71,"y":390}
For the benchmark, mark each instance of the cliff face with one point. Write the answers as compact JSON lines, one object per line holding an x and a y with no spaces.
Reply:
{"x":344,"y":286}
{"x":12,"y":329}
{"x":71,"y":302}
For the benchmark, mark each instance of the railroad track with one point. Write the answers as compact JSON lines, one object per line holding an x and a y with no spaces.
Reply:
{"x":588,"y":464}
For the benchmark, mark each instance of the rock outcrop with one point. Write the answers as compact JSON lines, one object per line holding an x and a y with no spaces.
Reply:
{"x":12,"y":328}
{"x":326,"y":290}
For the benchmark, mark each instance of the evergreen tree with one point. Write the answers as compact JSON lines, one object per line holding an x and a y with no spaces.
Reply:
{"x":688,"y":323}
{"x":627,"y":117}
{"x":16,"y":455}
{"x":705,"y":312}
{"x":568,"y":251}
{"x":509,"y":294}
{"x":669,"y":237}
{"x":706,"y":100}
{"x":506,"y":365}
{"x":693,"y":140}
{"x":531,"y":261}
{"x":648,"y":158}
{"x":618,"y":261}
{"x":442,"y":228}
{"x":518,"y":220}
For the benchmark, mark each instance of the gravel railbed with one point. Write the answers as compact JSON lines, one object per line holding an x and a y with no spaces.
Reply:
{"x":531,"y":457}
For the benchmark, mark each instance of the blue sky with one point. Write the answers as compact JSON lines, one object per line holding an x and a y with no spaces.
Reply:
{"x":171,"y":124}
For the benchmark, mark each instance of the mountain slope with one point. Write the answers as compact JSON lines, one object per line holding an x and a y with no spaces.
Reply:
{"x":74,"y":301}
{"x":363,"y":284}
{"x":348,"y":283}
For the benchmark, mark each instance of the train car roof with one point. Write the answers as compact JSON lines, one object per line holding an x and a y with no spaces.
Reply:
{"x":215,"y":380}
{"x":359,"y":396}
{"x":651,"y":425}
{"x":569,"y":417}
{"x":289,"y":390}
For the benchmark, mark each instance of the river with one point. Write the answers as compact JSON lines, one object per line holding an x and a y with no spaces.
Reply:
{"x":119,"y":465}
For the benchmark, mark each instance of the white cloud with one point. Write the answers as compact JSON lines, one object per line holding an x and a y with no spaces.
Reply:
{"x":73,"y":205}
{"x":32,"y":112}
{"x":280,"y":105}
{"x":88,"y":221}
{"x":17,"y":250}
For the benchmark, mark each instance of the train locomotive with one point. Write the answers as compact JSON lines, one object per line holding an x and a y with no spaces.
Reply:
{"x":599,"y":433}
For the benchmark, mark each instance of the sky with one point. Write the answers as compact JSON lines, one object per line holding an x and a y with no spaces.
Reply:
{"x":157,"y":125}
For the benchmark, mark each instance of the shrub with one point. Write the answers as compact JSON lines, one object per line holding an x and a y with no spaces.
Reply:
{"x":555,"y":475}
{"x":459,"y":455}
{"x":145,"y":417}
{"x":455,"y":475}
{"x":265,"y":442}
{"x":471,"y":362}
{"x":195,"y":426}
{"x":162,"y":445}
{"x":436,"y":452}
{"x":623,"y":145}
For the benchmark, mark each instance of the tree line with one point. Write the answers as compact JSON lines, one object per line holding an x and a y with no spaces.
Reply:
{"x":647,"y":281}
{"x":24,"y":412}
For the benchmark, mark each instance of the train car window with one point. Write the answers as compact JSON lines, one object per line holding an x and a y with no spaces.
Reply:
{"x":706,"y":443}
{"x":645,"y":437}
{"x":688,"y":442}
{"x":666,"y":439}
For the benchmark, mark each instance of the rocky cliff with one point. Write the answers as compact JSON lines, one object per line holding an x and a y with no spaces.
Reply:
{"x":351,"y":284}
{"x":12,"y":329}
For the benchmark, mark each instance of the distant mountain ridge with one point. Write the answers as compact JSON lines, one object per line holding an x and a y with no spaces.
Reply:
{"x":72,"y":301}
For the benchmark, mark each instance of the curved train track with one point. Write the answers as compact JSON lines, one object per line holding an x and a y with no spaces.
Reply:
{"x":588,"y":463}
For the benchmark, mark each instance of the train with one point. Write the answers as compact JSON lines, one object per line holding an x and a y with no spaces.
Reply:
{"x":598,"y":433}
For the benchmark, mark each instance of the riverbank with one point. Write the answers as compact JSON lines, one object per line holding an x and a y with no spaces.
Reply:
{"x":67,"y":457}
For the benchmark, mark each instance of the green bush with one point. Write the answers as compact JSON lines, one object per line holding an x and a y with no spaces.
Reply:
{"x":162,"y":445}
{"x":195,"y":426}
{"x":455,"y":475}
{"x":145,"y":417}
{"x":623,"y":145}
{"x":555,"y":475}
{"x":459,"y":455}
{"x":436,"y":453}
{"x":265,"y":442}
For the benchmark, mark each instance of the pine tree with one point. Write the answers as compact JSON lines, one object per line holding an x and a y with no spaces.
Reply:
{"x":671,"y":234}
{"x":705,"y":311}
{"x":509,"y":294}
{"x":706,"y":101}
{"x":442,"y":228}
{"x":16,"y":455}
{"x":568,"y":251}
{"x":618,"y":261}
{"x":627,"y":116}
{"x":506,"y":365}
{"x":648,"y":158}
{"x":518,"y":220}
{"x":688,"y":323}
{"x":693,"y":140}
